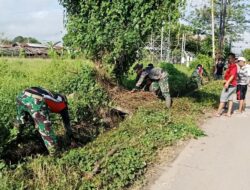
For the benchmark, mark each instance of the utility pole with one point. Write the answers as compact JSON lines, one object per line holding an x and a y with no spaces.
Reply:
{"x":169,"y":38}
{"x":223,"y":24}
{"x":223,"y":15}
{"x":152,"y":46}
{"x":162,"y":30}
{"x":183,"y":50}
{"x":213,"y":37}
{"x":220,"y":24}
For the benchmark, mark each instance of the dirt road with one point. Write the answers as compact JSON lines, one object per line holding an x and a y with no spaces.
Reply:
{"x":219,"y":161}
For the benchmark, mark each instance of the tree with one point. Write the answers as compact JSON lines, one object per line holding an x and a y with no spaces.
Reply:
{"x":4,"y":40}
{"x":51,"y":49}
{"x":230,"y":20}
{"x":22,"y":39}
{"x":114,"y":31}
{"x":18,"y":39}
{"x":246,"y":54}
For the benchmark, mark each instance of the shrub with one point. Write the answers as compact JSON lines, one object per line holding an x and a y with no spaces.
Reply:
{"x":61,"y":76}
{"x":204,"y":60}
{"x":134,"y":143}
{"x":246,"y":54}
{"x":177,"y":79}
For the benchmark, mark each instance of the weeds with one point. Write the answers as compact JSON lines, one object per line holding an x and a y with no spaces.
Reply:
{"x":133,"y":143}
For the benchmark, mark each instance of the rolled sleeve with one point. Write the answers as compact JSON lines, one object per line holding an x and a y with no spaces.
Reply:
{"x":141,"y":79}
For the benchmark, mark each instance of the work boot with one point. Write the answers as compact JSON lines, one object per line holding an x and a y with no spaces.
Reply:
{"x":168,"y":101}
{"x":53,"y":151}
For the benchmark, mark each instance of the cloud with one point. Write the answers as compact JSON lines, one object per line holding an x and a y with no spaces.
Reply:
{"x":42,"y":19}
{"x":40,"y":14}
{"x":237,"y":47}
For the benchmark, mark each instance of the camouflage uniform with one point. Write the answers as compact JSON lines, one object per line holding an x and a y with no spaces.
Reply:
{"x":160,"y":82}
{"x":145,"y":85}
{"x":196,"y":79}
{"x":38,"y":110}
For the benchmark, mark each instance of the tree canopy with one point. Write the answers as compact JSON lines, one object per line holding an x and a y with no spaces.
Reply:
{"x":22,"y":39}
{"x":235,"y":17}
{"x":114,"y":31}
{"x":246,"y":54}
{"x":4,"y":39}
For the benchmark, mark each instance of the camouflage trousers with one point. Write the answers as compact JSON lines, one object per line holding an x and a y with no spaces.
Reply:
{"x":162,"y":85}
{"x":37,"y":109}
{"x":196,"y":81}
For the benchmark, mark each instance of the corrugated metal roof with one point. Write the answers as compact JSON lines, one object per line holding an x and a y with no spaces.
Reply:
{"x":5,"y":46}
{"x":35,"y":45}
{"x":30,"y":49}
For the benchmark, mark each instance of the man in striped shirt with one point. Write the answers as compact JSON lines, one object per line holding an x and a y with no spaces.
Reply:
{"x":243,"y":81}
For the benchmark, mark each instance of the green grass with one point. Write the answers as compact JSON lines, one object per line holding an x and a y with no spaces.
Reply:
{"x":134,"y":143}
{"x":137,"y":139}
{"x":64,"y":76}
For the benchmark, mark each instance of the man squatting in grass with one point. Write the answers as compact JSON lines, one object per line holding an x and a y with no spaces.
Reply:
{"x":159,"y":80}
{"x":230,"y":84}
{"x":243,"y":81}
{"x":197,"y":76}
{"x":37,"y":102}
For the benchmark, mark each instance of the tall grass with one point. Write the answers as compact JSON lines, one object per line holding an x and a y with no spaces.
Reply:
{"x":134,"y":142}
{"x":64,"y":76}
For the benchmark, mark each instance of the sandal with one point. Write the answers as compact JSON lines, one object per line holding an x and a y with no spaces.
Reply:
{"x":217,"y":115}
{"x":237,"y":112}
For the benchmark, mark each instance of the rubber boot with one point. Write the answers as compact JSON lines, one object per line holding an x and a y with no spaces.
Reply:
{"x":168,"y":101}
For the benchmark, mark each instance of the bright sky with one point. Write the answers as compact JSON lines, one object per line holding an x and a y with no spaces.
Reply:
{"x":237,"y":47}
{"x":42,"y":19}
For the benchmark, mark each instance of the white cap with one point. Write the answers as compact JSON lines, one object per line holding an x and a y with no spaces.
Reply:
{"x":241,"y":59}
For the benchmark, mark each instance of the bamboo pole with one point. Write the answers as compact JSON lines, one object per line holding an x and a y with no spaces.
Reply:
{"x":213,"y":37}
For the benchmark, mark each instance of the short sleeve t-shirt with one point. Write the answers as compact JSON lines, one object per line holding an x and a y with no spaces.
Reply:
{"x":248,"y":70}
{"x":231,"y":71}
{"x":219,"y":68}
{"x":243,"y":76}
{"x":55,"y":104}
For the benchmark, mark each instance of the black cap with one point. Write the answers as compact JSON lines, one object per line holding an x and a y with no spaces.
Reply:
{"x":199,"y":65}
{"x":150,"y":65}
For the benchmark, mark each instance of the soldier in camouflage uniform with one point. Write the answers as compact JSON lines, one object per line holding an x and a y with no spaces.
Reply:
{"x":37,"y":102}
{"x":147,"y":81}
{"x":197,"y":76}
{"x":159,"y":80}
